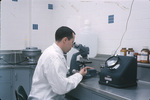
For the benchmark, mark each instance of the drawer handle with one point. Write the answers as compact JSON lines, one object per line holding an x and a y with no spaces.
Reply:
{"x":16,"y":78}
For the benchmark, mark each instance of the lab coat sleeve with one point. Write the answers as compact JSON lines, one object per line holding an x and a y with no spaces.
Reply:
{"x":55,"y":73}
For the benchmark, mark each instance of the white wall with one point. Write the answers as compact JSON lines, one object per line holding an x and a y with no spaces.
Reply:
{"x":18,"y":17}
{"x":14,"y":24}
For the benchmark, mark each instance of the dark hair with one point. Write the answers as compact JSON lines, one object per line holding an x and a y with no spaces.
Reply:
{"x":64,"y":32}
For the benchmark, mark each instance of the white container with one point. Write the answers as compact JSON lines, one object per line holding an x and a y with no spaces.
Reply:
{"x":85,"y":37}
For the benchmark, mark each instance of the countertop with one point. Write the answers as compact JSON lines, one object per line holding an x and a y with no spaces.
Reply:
{"x":139,"y":92}
{"x":17,"y":66}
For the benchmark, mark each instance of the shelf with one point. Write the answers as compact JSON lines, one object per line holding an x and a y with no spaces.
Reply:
{"x":147,"y":65}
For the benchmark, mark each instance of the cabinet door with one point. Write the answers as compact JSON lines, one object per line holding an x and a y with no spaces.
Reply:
{"x":5,"y":84}
{"x":21,"y":76}
{"x":96,"y":96}
{"x":81,"y":93}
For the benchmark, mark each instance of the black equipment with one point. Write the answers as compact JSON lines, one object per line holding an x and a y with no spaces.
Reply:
{"x":119,"y":71}
{"x":76,"y":65}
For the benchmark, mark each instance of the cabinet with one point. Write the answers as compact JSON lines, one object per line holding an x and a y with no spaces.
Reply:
{"x":83,"y":93}
{"x":13,"y":76}
{"x":80,"y":93}
{"x":22,"y":76}
{"x":96,"y":96}
{"x":5,"y":84}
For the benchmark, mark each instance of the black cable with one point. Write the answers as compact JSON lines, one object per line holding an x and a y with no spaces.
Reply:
{"x":26,"y":59}
{"x":125,"y":27}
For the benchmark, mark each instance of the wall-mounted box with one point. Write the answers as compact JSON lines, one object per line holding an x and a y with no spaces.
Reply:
{"x":50,"y":6}
{"x":111,"y":19}
{"x":35,"y":26}
{"x":15,"y":0}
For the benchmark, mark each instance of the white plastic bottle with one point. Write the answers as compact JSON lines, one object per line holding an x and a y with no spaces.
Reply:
{"x":88,"y":38}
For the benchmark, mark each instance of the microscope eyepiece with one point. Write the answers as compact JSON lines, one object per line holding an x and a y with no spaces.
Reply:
{"x":75,"y":45}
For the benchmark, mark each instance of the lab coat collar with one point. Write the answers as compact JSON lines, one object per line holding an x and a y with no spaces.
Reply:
{"x":58,"y":48}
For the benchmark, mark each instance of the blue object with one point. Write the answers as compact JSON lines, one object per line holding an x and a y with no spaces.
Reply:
{"x":35,"y":26}
{"x":15,"y":0}
{"x":50,"y":6}
{"x":111,"y":19}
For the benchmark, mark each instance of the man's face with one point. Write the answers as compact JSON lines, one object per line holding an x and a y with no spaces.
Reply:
{"x":69,"y":44}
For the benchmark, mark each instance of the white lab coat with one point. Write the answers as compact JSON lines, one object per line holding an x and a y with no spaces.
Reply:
{"x":49,"y":79}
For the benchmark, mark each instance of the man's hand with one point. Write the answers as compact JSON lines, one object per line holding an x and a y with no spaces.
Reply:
{"x":83,"y":71}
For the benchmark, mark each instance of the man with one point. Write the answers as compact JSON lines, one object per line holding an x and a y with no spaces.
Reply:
{"x":49,"y":80}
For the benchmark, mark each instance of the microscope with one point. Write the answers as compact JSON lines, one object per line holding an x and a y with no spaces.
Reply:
{"x":75,"y":65}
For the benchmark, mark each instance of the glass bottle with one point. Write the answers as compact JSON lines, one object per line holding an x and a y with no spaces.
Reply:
{"x":130,"y":52}
{"x":123,"y":51}
{"x":145,"y":55}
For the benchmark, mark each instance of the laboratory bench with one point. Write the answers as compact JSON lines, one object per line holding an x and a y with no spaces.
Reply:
{"x":13,"y":75}
{"x":90,"y":89}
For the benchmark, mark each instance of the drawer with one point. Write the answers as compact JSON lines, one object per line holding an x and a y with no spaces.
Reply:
{"x":5,"y":75}
{"x":96,"y":96}
{"x":5,"y":91}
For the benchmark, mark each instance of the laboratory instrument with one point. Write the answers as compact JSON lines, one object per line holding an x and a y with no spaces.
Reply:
{"x":75,"y":64}
{"x":119,"y":71}
{"x":31,"y":53}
